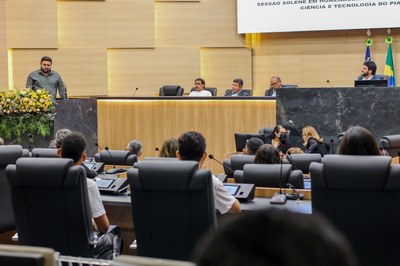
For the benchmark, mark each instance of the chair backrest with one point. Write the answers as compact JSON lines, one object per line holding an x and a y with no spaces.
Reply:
{"x":269,"y":175}
{"x":381,"y":76}
{"x":213,"y":90}
{"x":302,"y":161}
{"x":290,"y":86}
{"x":116,"y":157}
{"x":239,"y":160}
{"x":125,"y":260}
{"x":8,"y":155}
{"x":391,"y":144}
{"x":171,"y":90}
{"x":160,"y":159}
{"x":172,"y":207}
{"x":44,"y":152}
{"x":17,"y":255}
{"x":360,"y":195}
{"x":50,"y":202}
{"x":266,"y":131}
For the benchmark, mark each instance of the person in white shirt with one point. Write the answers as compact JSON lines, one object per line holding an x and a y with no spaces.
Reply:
{"x":192,"y":147}
{"x":200,"y":84}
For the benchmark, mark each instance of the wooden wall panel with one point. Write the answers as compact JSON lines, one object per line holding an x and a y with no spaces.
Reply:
{"x":106,"y":24}
{"x":153,"y":121}
{"x":31,"y":23}
{"x":219,"y":66}
{"x":83,"y":70}
{"x":149,"y":69}
{"x":208,"y":23}
{"x":3,"y":47}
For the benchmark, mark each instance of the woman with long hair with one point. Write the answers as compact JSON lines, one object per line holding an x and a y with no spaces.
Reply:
{"x":358,"y":141}
{"x":312,"y":141}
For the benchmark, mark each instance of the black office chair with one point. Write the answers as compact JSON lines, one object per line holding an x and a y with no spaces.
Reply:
{"x":213,"y":90}
{"x":381,"y":76}
{"x":391,"y":144}
{"x":269,"y":175}
{"x":44,"y":152}
{"x":171,"y":90}
{"x":360,"y":195}
{"x":302,"y":161}
{"x":115,"y":157}
{"x":50,"y":203}
{"x":172,"y":207}
{"x":267,"y":131}
{"x":8,"y":155}
{"x":236,"y":162}
{"x":160,"y":159}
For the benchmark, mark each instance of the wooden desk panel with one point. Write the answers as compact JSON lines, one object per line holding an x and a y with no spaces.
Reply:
{"x":154,"y":120}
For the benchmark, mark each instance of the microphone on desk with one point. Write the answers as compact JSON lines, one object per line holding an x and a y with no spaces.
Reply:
{"x":280,"y":197}
{"x":30,"y":136}
{"x":12,"y":142}
{"x":135,"y":92}
{"x":98,"y":146}
{"x":295,"y":195}
{"x":224,"y":166}
{"x":328,"y":81}
{"x":156,"y":149}
{"x":332,"y":146}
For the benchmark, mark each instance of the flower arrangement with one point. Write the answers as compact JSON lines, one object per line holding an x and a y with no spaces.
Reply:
{"x":25,"y":110}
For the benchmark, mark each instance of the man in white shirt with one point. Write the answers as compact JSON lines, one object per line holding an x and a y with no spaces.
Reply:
{"x":192,"y":147}
{"x":200,"y":84}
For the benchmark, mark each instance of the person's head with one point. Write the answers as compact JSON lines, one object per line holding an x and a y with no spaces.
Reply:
{"x":275,"y":82}
{"x":275,"y":237}
{"x":199,"y":84}
{"x":294,"y":150}
{"x":135,"y":147}
{"x":192,"y":147}
{"x":45,"y":64}
{"x":169,"y":148}
{"x":74,"y":147}
{"x":310,"y":132}
{"x":267,"y":154}
{"x":60,"y":135}
{"x":358,"y":141}
{"x":368,"y":69}
{"x":252,"y":146}
{"x":237,"y":85}
{"x":279,"y":132}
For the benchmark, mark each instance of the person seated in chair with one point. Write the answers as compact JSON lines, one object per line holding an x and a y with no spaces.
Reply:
{"x":192,"y":147}
{"x":275,"y":83}
{"x":359,"y":141}
{"x":267,"y":154}
{"x":169,"y":148}
{"x":252,"y":146}
{"x":74,"y":147}
{"x":237,"y":85}
{"x":313,"y":142}
{"x":135,"y":147}
{"x":200,"y":84}
{"x":368,"y":71}
{"x":279,"y":140}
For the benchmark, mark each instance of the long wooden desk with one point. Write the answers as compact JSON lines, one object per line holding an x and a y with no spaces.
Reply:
{"x":154,"y":119}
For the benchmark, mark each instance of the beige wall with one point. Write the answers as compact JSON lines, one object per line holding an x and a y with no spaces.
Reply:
{"x":110,"y":47}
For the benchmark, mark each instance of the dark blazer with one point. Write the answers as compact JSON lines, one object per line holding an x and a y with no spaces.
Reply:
{"x":313,"y":146}
{"x":374,"y":77}
{"x":241,"y":93}
{"x":269,"y":92}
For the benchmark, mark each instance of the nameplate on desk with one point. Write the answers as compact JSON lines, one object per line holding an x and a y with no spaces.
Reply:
{"x":242,"y":192}
{"x":111,"y":184}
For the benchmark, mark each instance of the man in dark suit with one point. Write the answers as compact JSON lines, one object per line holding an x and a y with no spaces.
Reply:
{"x":275,"y":83}
{"x":237,"y":85}
{"x":368,"y":71}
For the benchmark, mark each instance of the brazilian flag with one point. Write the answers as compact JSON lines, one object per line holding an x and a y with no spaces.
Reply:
{"x":389,"y":67}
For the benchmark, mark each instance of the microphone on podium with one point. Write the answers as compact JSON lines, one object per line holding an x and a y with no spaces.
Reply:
{"x":224,"y":166}
{"x":98,"y":146}
{"x":332,"y":146}
{"x":328,"y":81}
{"x":135,"y":92}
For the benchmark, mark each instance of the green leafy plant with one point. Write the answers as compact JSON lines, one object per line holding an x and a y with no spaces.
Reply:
{"x":25,"y":110}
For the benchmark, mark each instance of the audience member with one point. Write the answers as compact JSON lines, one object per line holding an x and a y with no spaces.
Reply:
{"x":1,"y":141}
{"x":294,"y":150}
{"x":200,"y":84}
{"x":74,"y":147}
{"x":313,"y":142}
{"x":267,"y":154}
{"x":237,"y":85}
{"x":135,"y":147}
{"x":169,"y":148}
{"x":275,"y":83}
{"x":358,"y":141}
{"x":192,"y":147}
{"x":279,"y":140}
{"x":252,"y":146}
{"x":275,"y":237}
{"x":60,"y":135}
{"x":368,"y":71}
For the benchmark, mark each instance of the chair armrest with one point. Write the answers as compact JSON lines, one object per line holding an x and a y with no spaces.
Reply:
{"x":238,"y":175}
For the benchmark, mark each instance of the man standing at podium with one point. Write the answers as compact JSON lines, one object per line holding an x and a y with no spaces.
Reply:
{"x":45,"y":78}
{"x":368,"y":71}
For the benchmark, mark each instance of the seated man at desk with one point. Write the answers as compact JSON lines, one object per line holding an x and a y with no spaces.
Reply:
{"x":192,"y":147}
{"x":368,"y":71}
{"x":237,"y":85}
{"x":200,"y":84}
{"x":275,"y":83}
